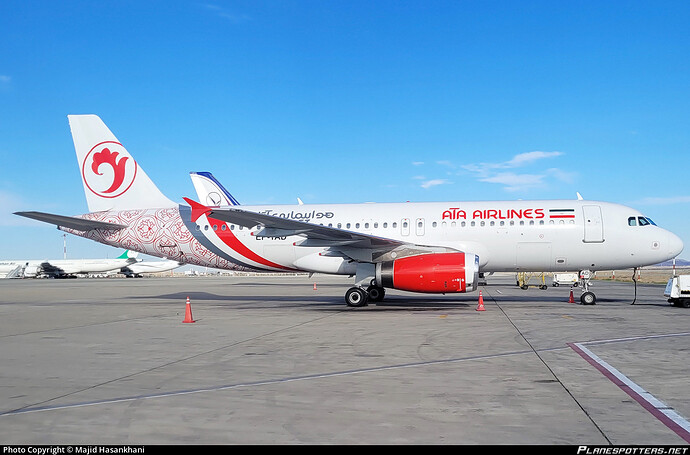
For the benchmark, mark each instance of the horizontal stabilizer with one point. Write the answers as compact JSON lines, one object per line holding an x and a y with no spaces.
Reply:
{"x":71,"y":222}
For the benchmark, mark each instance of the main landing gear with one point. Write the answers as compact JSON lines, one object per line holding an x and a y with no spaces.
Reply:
{"x":358,"y":296}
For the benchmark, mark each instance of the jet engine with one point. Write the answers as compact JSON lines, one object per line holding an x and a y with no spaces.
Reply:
{"x":430,"y":273}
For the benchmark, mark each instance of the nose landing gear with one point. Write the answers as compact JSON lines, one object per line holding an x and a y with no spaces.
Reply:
{"x":587,"y":297}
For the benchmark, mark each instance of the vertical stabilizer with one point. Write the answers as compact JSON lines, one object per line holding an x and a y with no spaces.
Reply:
{"x":112,"y":179}
{"x":210,"y":191}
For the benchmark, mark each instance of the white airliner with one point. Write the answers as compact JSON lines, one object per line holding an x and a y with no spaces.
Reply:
{"x":431,"y":247}
{"x":63,"y":268}
{"x":137,"y":269}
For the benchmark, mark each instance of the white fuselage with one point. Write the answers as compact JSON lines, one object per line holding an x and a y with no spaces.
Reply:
{"x":557,"y":235}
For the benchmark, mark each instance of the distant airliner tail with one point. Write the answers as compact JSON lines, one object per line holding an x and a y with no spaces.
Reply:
{"x":210,"y":191}
{"x":112,"y":179}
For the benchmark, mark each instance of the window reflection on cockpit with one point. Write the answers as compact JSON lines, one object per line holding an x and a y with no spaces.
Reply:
{"x":640,"y":221}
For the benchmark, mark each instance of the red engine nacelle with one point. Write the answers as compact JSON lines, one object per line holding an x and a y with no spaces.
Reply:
{"x":431,"y":273}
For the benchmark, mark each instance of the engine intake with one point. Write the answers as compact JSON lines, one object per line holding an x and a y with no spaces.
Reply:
{"x":430,"y":273}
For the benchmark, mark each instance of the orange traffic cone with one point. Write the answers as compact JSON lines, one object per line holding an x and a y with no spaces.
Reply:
{"x":188,"y":313}
{"x":315,"y":286}
{"x":571,"y":299}
{"x":480,"y":307}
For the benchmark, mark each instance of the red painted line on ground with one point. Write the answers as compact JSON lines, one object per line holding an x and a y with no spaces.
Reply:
{"x":634,"y":390}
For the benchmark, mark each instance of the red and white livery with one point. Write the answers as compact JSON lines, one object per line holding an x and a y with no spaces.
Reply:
{"x":432,"y":247}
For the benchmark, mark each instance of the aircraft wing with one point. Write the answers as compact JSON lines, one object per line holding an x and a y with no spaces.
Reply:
{"x":71,"y":222}
{"x":356,"y":245}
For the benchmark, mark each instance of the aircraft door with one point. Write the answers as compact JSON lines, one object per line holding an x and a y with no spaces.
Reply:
{"x":594,"y":226}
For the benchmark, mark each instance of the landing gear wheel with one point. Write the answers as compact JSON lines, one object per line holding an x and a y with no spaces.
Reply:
{"x":376,"y":293}
{"x":356,"y":297}
{"x":588,"y":298}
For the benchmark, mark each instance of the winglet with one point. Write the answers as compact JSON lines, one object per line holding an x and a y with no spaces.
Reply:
{"x":197,"y":209}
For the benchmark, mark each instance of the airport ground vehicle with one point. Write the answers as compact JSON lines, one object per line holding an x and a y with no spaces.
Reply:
{"x":566,"y":279}
{"x":678,"y":291}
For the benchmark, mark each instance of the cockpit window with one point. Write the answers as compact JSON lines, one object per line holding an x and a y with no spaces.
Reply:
{"x":640,"y":221}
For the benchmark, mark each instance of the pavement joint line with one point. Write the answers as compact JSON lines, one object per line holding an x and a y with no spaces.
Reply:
{"x":656,"y":407}
{"x":28,"y":410}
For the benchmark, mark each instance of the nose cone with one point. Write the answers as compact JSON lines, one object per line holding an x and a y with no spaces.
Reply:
{"x":675,"y":245}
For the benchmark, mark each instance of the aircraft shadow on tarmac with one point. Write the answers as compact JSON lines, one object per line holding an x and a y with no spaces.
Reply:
{"x":392,"y":303}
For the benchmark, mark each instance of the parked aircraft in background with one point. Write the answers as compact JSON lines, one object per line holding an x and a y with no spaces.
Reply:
{"x":214,"y":194}
{"x":64,"y":268}
{"x":138,"y":269}
{"x":432,"y":247}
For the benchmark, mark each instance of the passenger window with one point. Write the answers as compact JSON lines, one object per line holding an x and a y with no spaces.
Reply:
{"x":632,"y":221}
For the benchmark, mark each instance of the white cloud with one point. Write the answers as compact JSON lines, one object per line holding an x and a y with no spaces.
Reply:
{"x":519,"y":160}
{"x":493,"y":172}
{"x":515,"y":182}
{"x":522,"y":159}
{"x":434,"y":182}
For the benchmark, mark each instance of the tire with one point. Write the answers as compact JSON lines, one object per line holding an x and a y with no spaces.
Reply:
{"x":588,"y":298}
{"x":375,"y":293}
{"x":356,"y":297}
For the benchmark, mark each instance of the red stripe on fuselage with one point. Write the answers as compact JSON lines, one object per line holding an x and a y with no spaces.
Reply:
{"x":228,"y":238}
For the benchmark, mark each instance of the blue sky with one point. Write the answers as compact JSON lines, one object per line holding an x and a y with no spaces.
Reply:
{"x":348,"y":101}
